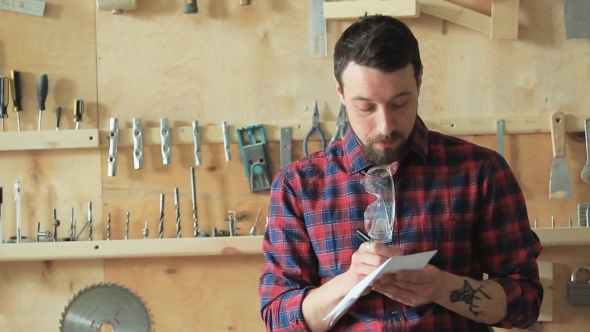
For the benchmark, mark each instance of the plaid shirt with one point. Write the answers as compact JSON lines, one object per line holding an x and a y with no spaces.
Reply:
{"x":453,"y":196}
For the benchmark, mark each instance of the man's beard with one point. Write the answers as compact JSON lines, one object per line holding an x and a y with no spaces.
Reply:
{"x":389,"y":155}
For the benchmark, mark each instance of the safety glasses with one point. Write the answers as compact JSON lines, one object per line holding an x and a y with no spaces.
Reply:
{"x":380,"y":215}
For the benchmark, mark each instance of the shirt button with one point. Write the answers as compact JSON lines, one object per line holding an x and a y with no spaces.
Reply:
{"x":395,"y":312}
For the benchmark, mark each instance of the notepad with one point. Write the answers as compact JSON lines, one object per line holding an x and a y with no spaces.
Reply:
{"x":393,"y":265}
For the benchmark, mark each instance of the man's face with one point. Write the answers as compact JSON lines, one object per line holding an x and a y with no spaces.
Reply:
{"x":381,"y":109}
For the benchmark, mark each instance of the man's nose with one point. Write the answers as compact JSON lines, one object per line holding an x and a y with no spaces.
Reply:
{"x":385,"y":121}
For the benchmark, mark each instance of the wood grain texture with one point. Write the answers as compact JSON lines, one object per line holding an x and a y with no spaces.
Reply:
{"x":34,"y":294}
{"x":195,"y":294}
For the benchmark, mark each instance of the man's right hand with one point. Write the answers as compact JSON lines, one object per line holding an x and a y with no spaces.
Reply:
{"x":368,"y":257}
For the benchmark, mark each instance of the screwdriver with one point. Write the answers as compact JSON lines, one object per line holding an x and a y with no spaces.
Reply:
{"x":42,"y":88}
{"x":78,"y":108}
{"x":57,"y":117}
{"x":16,"y":94}
{"x":4,"y":98}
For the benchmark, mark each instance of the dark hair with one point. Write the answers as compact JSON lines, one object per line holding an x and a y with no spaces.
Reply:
{"x":377,"y":41}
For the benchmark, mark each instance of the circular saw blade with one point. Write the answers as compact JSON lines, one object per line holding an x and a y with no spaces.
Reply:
{"x":106,"y":303}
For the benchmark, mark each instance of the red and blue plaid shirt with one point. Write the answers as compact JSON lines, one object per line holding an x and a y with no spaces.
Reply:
{"x":453,"y":196}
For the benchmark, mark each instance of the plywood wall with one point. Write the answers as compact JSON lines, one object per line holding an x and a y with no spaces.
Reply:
{"x":244,"y":65}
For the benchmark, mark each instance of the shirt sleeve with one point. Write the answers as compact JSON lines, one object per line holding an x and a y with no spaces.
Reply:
{"x":508,"y":246}
{"x":290,"y":268}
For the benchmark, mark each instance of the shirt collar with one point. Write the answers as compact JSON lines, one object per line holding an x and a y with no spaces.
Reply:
{"x":356,"y":160}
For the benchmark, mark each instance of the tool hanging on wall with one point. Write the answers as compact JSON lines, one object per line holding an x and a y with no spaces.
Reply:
{"x":197,"y":142}
{"x":72,"y":227}
{"x":315,"y":126}
{"x":109,"y":227}
{"x":57,"y":117}
{"x":253,"y":229}
{"x":578,"y":293}
{"x":560,"y":183}
{"x":29,"y":7}
{"x":197,"y":232}
{"x":137,"y":143}
{"x":165,"y":141}
{"x":500,"y":134}
{"x":586,"y":170}
{"x":113,"y":147}
{"x":4,"y":98}
{"x":226,"y":146}
{"x":340,"y":125}
{"x":161,"y":217}
{"x":177,"y":213}
{"x":42,"y":89}
{"x":96,"y":307}
{"x":190,"y":7}
{"x":116,"y":6}
{"x":127,"y":217}
{"x":46,"y":234}
{"x":90,"y":221}
{"x":576,"y":14}
{"x":286,"y":141}
{"x":146,"y":230}
{"x":16,"y":94}
{"x":584,"y":214}
{"x":78,"y":110}
{"x":56,"y":224}
{"x":255,"y":156}
{"x":317,"y":38}
{"x":18,"y":208}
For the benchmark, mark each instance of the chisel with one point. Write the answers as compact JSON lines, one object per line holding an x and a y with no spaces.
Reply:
{"x":42,"y":88}
{"x":15,"y":91}
{"x":190,"y":7}
{"x":78,"y":109}
{"x":4,"y":98}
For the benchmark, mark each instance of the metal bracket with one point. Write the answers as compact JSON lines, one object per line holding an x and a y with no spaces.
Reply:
{"x":113,"y":146}
{"x":197,"y":142}
{"x":286,"y":146}
{"x":165,"y":141}
{"x":137,"y":143}
{"x":254,"y":156}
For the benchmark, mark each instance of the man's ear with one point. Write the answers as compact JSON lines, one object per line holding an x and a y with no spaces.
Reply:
{"x":419,"y":82}
{"x":339,"y":90}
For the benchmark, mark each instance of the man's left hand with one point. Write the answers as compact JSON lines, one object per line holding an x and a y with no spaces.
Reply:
{"x":413,"y":288}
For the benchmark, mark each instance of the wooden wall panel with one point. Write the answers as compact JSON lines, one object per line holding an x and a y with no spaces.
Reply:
{"x":244,"y":65}
{"x":34,"y":294}
{"x":197,"y":293}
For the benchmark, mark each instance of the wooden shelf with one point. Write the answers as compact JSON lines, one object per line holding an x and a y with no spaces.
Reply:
{"x":456,"y":126}
{"x":49,"y":139}
{"x":210,"y":246}
{"x":563,"y":236}
{"x":136,"y":248}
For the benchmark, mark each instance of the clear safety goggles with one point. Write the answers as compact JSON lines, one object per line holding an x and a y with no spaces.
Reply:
{"x":380,"y":215}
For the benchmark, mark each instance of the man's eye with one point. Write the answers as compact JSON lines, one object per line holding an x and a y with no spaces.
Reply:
{"x":399,"y":105}
{"x":366,"y":108}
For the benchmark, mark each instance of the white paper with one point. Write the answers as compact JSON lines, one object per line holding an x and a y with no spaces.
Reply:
{"x":393,"y":265}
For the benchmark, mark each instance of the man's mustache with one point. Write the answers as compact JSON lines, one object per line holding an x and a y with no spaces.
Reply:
{"x":386,"y":138}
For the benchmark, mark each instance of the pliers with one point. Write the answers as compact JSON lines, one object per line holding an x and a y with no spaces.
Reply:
{"x":314,"y":127}
{"x":340,"y":124}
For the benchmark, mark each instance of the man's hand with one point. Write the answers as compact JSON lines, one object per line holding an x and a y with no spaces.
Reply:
{"x":367,"y":258}
{"x":413,"y":288}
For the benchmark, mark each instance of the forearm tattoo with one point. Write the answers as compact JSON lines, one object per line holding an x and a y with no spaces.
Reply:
{"x":468,"y":294}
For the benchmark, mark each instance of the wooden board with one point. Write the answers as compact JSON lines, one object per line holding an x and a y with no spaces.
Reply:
{"x":34,"y":294}
{"x":195,"y":294}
